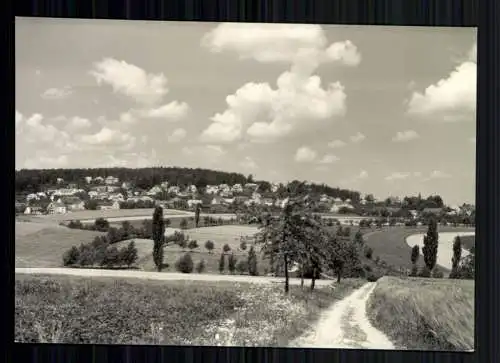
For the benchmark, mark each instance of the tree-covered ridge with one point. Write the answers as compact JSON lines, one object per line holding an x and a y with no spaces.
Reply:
{"x":34,"y":180}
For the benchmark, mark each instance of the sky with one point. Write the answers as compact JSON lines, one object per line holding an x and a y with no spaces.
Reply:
{"x":383,"y":110}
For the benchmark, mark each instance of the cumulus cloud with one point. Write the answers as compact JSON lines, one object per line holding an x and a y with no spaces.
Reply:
{"x":397,"y":175}
{"x":130,"y":80}
{"x":452,"y":98}
{"x":108,"y":137}
{"x":79,"y":123}
{"x":261,"y":113}
{"x":359,"y":137}
{"x":305,"y":154}
{"x":328,"y":159}
{"x":404,"y":136}
{"x":57,"y":93}
{"x":438,"y":174}
{"x":336,"y":144}
{"x":173,"y":111}
{"x":177,"y":135}
{"x":248,"y":163}
{"x":128,"y":117}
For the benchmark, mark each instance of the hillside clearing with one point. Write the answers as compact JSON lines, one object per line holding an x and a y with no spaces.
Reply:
{"x":44,"y":247}
{"x":118,"y":213}
{"x":425,"y":314}
{"x":61,"y":309}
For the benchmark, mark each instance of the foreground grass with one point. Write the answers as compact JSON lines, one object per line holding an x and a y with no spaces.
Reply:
{"x":109,"y":311}
{"x":425,"y":314}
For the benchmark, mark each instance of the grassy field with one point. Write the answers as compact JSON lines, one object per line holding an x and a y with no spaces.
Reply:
{"x":426,"y":314}
{"x":42,"y":245}
{"x":93,"y":214}
{"x":389,"y":244}
{"x":220,"y":235}
{"x":108,"y":311}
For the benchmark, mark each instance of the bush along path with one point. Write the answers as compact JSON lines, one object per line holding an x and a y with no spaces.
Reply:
{"x":345,"y":325}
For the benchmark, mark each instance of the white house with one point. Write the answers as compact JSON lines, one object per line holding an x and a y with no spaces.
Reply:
{"x":111,"y":180}
{"x":57,"y":208}
{"x":88,"y":179}
{"x":224,"y":188}
{"x":174,"y":189}
{"x":251,"y":186}
{"x":33,"y":210}
{"x":155,"y":190}
{"x":109,"y":205}
{"x":32,"y":196}
{"x":192,"y":189}
{"x":60,"y":180}
{"x":237,"y":188}
{"x":216,"y":200}
{"x":99,"y":179}
{"x":192,"y":202}
{"x":211,"y":189}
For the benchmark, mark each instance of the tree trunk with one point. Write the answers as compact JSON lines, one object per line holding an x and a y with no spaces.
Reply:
{"x":302,"y":275}
{"x":313,"y":280}
{"x":286,"y":274}
{"x":339,"y":273}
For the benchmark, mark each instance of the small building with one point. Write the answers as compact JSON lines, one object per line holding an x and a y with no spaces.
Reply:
{"x":109,"y":205}
{"x":57,"y":208}
{"x":216,"y":200}
{"x":88,"y":179}
{"x":72,"y":203}
{"x":193,"y":202}
{"x":33,"y":210}
{"x":237,"y":188}
{"x":111,"y":180}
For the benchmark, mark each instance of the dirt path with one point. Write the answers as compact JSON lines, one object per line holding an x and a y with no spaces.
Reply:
{"x":346,"y":325}
{"x":164,"y":276}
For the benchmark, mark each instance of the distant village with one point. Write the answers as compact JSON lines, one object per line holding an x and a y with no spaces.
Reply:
{"x":101,"y":193}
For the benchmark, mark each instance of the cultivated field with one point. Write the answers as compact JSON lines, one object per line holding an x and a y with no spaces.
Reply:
{"x":390,"y":244}
{"x":59,"y":309}
{"x":42,"y":245}
{"x":425,"y":314}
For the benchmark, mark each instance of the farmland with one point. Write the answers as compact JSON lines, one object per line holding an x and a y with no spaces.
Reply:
{"x":119,"y":213}
{"x":65,"y":309}
{"x":429,"y":314}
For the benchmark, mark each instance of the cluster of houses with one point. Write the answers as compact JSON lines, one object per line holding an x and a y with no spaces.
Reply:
{"x":110,"y":193}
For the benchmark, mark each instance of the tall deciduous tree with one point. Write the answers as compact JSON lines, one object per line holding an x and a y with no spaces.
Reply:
{"x":197,"y":215}
{"x":158,"y":234}
{"x":431,"y":241}
{"x":457,"y":256}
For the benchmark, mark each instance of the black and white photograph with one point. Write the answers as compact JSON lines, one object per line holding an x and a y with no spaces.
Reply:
{"x":244,"y":184}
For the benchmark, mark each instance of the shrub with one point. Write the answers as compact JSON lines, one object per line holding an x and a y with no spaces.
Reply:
{"x":185,"y":264}
{"x":425,"y":272}
{"x":200,"y":266}
{"x":231,"y":263}
{"x":437,"y":273}
{"x":226,"y":248}
{"x":209,"y":245}
{"x":128,"y":255}
{"x":242,"y":267}
{"x":368,"y":252}
{"x":414,"y":271}
{"x":182,"y":243}
{"x":71,"y":256}
{"x":193,"y":244}
{"x":87,"y":257}
{"x":377,"y":260}
{"x":112,"y":257}
{"x":372,"y":276}
{"x":243,"y":245}
{"x":183,"y":223}
{"x":101,"y":224}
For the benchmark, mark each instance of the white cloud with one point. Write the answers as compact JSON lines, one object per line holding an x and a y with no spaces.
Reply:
{"x":130,"y":80}
{"x":46,"y":162}
{"x":128,"y":117}
{"x":437,"y":174}
{"x":57,"y":93}
{"x":187,"y":151}
{"x":248,"y":163}
{"x":336,"y":144}
{"x":404,"y":136}
{"x":261,"y":113}
{"x":363,"y":174}
{"x":359,"y":137}
{"x":328,"y":159}
{"x":79,"y":123}
{"x":397,"y":175}
{"x":173,"y":111}
{"x":177,"y":135}
{"x":452,"y":98}
{"x":107,"y":137}
{"x":305,"y":154}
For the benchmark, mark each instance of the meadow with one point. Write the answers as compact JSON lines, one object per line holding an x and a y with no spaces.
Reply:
{"x":112,"y":213}
{"x":60,"y":309}
{"x":424,"y":314}
{"x":42,"y":244}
